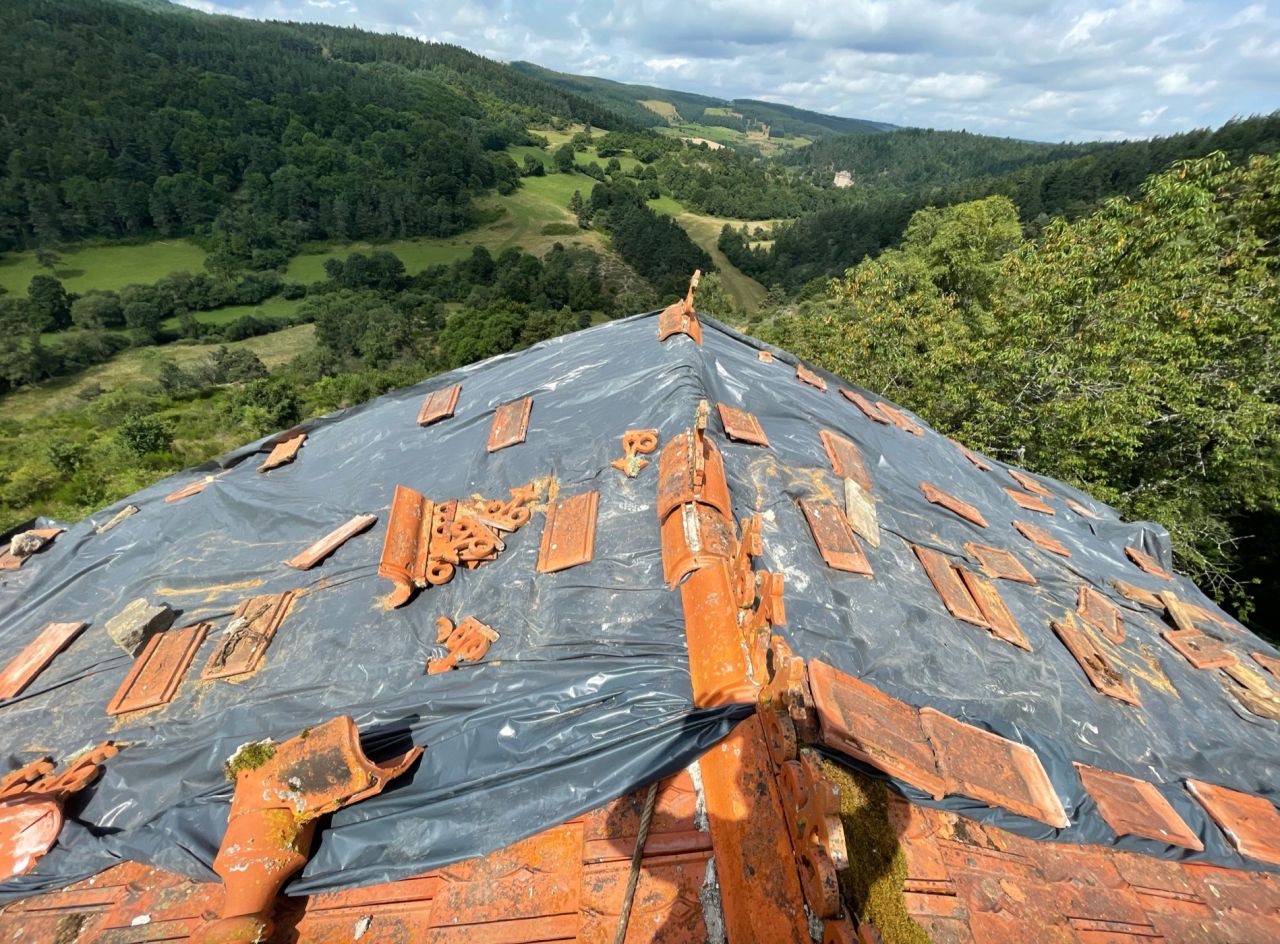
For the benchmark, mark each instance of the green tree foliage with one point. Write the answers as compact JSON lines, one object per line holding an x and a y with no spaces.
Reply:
{"x":143,"y":434}
{"x":126,"y":119}
{"x":1134,"y":352}
{"x":49,"y":302}
{"x":563,"y":159}
{"x":97,"y":310}
{"x":655,"y":246}
{"x":475,"y":334}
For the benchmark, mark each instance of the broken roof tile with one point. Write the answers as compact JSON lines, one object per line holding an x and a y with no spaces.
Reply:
{"x":158,"y":670}
{"x":1201,"y":650}
{"x":1182,"y":615}
{"x":35,"y":656}
{"x":955,"y":595}
{"x":994,"y":611}
{"x":1250,"y":822}
{"x":863,"y":404}
{"x":1100,"y":613}
{"x":1042,"y":538}
{"x":680,"y":317}
{"x":805,"y":375}
{"x":1101,"y":672}
{"x":1135,"y":807}
{"x":439,"y":405}
{"x":242,"y":644}
{"x":308,"y":558}
{"x":569,"y":535}
{"x":1146,"y":563}
{"x":1030,"y":484}
{"x":694,"y":536}
{"x":900,"y":419}
{"x":1030,"y":502}
{"x":1268,"y":662}
{"x":510,"y":423}
{"x":846,"y":461}
{"x":284,"y":451}
{"x":1136,"y":594}
{"x":868,"y":725}
{"x":1081,"y":510}
{"x":741,"y":425}
{"x":987,"y":767}
{"x":690,"y":468}
{"x":999,"y":563}
{"x":951,"y":503}
{"x":834,"y":537}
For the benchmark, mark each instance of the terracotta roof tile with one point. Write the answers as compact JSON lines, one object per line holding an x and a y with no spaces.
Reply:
{"x":1250,"y":822}
{"x":36,"y":656}
{"x":805,"y":375}
{"x":845,"y":459}
{"x":1201,"y":650}
{"x":1100,"y":613}
{"x":1146,"y":563}
{"x":999,"y":563}
{"x":1042,"y":538}
{"x":510,"y":424}
{"x":439,"y":405}
{"x":741,"y":425}
{"x":994,"y":610}
{"x":950,"y":586}
{"x":1133,"y":806}
{"x":900,"y":419}
{"x":835,"y":538}
{"x":158,"y":670}
{"x":569,"y":535}
{"x":869,"y":410}
{"x":1030,"y":502}
{"x":1101,"y":671}
{"x":962,"y":508}
{"x":987,"y":767}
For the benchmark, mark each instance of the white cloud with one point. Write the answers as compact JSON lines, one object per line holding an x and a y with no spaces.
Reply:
{"x":1047,"y":69}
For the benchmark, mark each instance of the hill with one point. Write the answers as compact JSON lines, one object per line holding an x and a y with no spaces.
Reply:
{"x":689,"y":112}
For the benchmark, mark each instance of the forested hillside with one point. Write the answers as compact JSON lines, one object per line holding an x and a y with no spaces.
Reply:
{"x":873,"y":218}
{"x":739,"y":113}
{"x":131,"y":122}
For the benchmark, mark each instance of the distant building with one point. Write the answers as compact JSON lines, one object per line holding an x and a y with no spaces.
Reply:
{"x":843,"y":179}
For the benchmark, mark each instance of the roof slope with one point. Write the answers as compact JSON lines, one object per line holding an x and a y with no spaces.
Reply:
{"x":586,"y":693}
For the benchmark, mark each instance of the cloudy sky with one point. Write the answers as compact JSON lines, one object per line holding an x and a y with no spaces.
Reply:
{"x":1026,"y":68}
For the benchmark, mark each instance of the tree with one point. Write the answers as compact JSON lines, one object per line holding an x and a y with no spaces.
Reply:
{"x":50,"y":302}
{"x":473,"y":335}
{"x":143,"y":434}
{"x":22,"y":358}
{"x":533,"y":167}
{"x":95,"y":310}
{"x":563,"y":159}
{"x":142,"y":311}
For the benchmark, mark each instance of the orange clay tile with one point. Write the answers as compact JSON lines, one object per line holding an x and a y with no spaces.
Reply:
{"x":846,"y":461}
{"x":510,"y":423}
{"x":635,"y":442}
{"x":1135,"y":807}
{"x":973,"y":457}
{"x":1201,"y":650}
{"x":951,"y":503}
{"x":1181,"y":613}
{"x":755,"y":862}
{"x":191,"y":488}
{"x":868,"y":725}
{"x":694,"y":536}
{"x":805,"y":375}
{"x":1146,"y":563}
{"x":1101,"y":671}
{"x":1030,"y":502}
{"x":811,"y":805}
{"x":1136,"y":594}
{"x":785,"y":706}
{"x":406,"y":548}
{"x":1250,"y":822}
{"x":308,"y":558}
{"x":439,"y":405}
{"x":272,"y":820}
{"x":766,"y":357}
{"x":10,"y":561}
{"x":998,"y":563}
{"x":955,"y":595}
{"x":690,"y":469}
{"x":680,"y":317}
{"x":241,"y":646}
{"x":1270,"y":663}
{"x":569,"y":535}
{"x":37,"y":654}
{"x":900,"y":419}
{"x":284,"y":452}
{"x":741,"y":425}
{"x":865,"y":405}
{"x":469,"y":641}
{"x":1042,"y":538}
{"x":994,"y":610}
{"x":158,"y":670}
{"x":1100,"y":613}
{"x":1029,"y":483}
{"x":1080,"y":509}
{"x":987,"y":767}
{"x":719,"y":663}
{"x":835,"y":538}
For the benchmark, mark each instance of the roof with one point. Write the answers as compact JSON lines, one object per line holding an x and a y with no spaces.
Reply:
{"x":1020,"y":665}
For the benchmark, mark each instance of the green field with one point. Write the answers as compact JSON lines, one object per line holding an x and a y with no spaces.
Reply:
{"x":665,"y":109}
{"x":705,"y":231}
{"x":105,"y":267}
{"x":139,"y":365}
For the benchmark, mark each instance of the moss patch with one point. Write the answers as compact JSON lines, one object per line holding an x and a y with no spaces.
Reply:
{"x":872,"y":884}
{"x":249,"y":756}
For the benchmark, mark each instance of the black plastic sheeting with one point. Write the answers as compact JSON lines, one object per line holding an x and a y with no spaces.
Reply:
{"x":586,"y":694}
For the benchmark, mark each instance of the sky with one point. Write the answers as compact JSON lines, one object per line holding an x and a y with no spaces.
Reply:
{"x":1023,"y":68}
